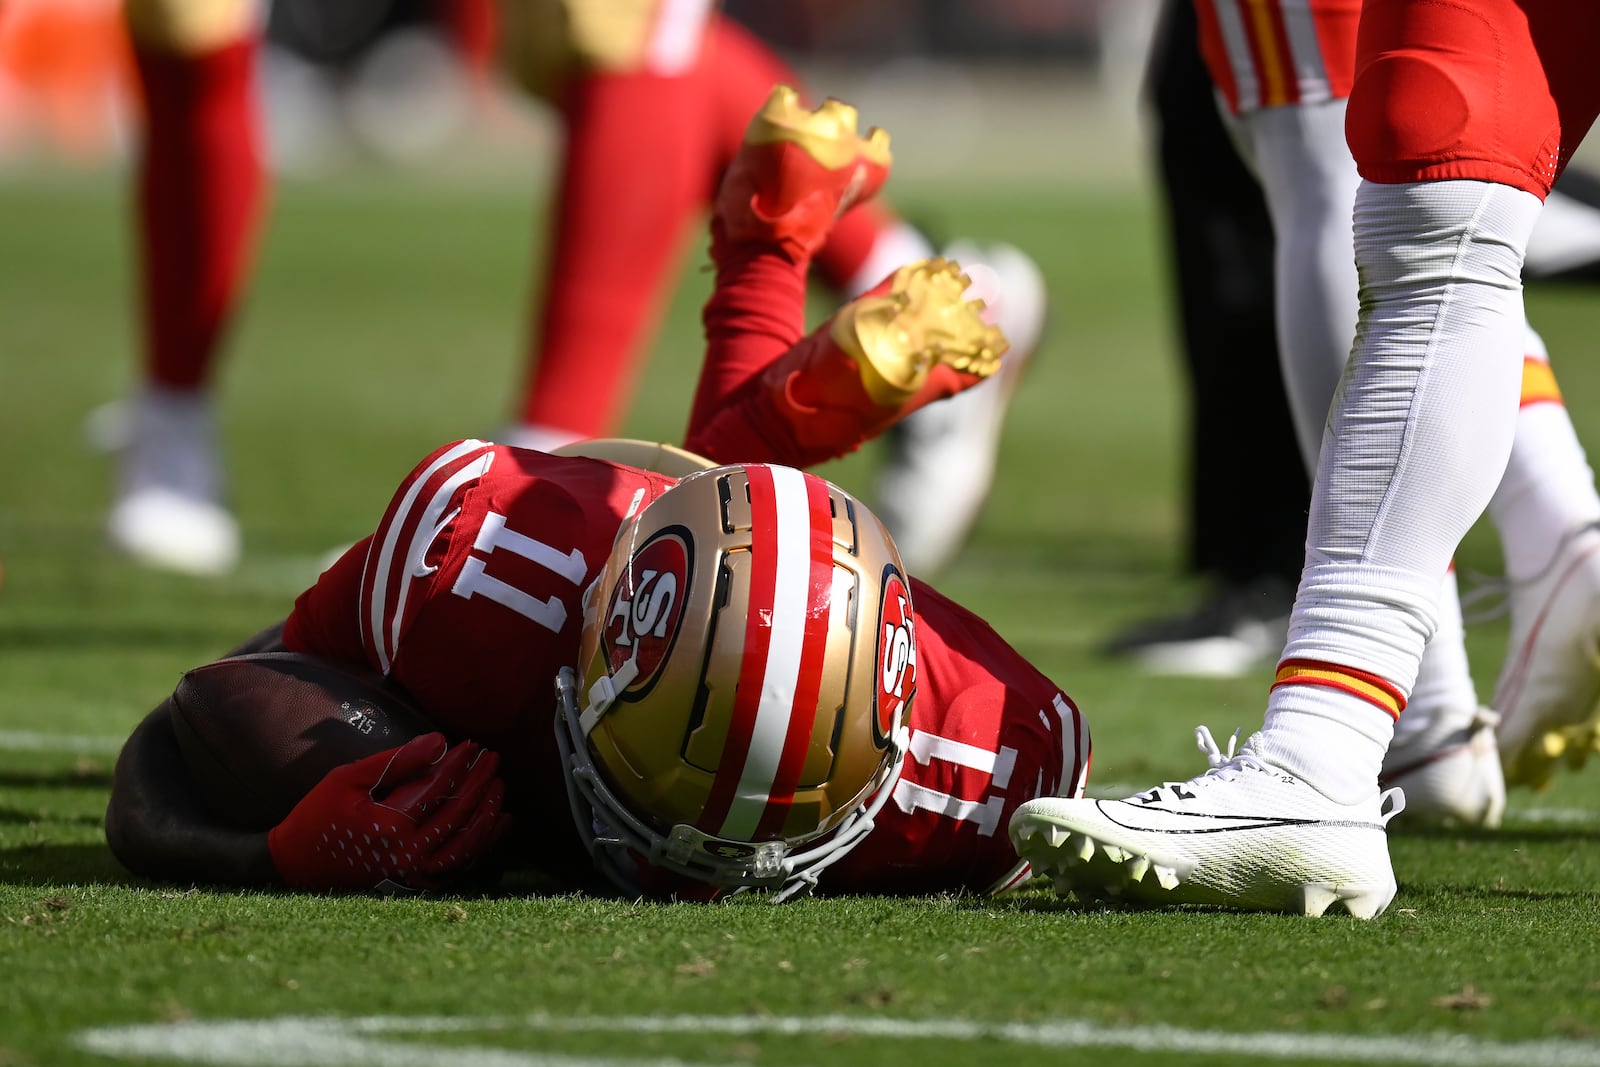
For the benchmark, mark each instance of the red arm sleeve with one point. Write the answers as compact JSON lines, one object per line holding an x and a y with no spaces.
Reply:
{"x":324,"y":621}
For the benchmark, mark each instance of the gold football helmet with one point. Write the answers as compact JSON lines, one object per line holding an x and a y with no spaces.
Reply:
{"x":646,"y":455}
{"x":748,"y":660}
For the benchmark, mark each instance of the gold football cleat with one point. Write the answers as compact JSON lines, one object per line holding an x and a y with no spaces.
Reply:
{"x":827,"y":134}
{"x":1567,"y":746}
{"x":921,"y":321}
{"x":797,"y":171}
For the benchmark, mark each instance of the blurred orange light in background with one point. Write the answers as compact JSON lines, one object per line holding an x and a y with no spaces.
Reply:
{"x":65,"y":77}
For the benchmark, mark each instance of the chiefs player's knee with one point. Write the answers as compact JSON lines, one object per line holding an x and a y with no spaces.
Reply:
{"x":1384,"y":125}
{"x":1433,"y":68}
{"x":190,"y":26}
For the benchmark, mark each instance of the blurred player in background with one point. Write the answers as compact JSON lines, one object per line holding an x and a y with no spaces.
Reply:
{"x":654,"y":97}
{"x":1222,"y":244}
{"x":1247,"y":489}
{"x":1460,"y":123}
{"x":731,"y":717}
{"x":199,"y":193}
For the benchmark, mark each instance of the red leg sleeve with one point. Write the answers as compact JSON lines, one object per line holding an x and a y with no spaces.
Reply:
{"x":200,"y":185}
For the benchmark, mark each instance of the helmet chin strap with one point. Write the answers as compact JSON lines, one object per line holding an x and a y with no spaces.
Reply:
{"x":603,"y":694}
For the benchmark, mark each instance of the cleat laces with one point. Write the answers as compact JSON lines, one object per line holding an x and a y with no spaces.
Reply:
{"x":1220,"y":767}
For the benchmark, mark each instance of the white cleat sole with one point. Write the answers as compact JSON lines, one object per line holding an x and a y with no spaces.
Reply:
{"x":1096,"y":871}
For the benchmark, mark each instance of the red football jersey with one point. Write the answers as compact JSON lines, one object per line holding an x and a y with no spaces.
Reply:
{"x":470,"y":595}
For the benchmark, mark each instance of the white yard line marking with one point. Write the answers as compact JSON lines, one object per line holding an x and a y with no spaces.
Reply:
{"x":1557,"y":815}
{"x":35,"y":741}
{"x":332,"y":1042}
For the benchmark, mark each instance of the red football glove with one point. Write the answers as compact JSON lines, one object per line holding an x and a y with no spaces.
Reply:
{"x":415,"y":815}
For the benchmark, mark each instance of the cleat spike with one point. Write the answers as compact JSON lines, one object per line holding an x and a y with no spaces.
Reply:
{"x":1054,"y":836}
{"x":1138,"y":868}
{"x":1315,"y":899}
{"x":783,"y":98}
{"x":1166,"y":877}
{"x":843,"y":115}
{"x":1083,"y":848}
{"x":1366,"y":905}
{"x":1113,"y":853}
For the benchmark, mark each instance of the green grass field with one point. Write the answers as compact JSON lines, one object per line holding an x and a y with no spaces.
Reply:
{"x":386,"y":319}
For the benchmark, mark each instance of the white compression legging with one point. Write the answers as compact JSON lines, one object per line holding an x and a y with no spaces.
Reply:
{"x":1309,"y":179}
{"x":1420,"y":433}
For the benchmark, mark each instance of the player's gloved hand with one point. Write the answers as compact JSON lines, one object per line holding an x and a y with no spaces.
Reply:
{"x":415,"y":815}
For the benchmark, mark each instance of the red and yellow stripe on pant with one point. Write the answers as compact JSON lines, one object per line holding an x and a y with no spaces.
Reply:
{"x":1271,"y":53}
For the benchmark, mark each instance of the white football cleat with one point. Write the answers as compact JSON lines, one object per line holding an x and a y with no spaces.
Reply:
{"x":1450,"y":772}
{"x":1549,"y":686}
{"x":942,"y":457}
{"x":1242,"y":835}
{"x":168,"y":511}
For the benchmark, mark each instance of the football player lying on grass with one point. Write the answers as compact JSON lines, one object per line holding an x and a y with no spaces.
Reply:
{"x":581,"y":663}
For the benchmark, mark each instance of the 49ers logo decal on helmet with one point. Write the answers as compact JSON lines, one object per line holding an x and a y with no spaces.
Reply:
{"x":897,"y":656}
{"x":647,"y":606}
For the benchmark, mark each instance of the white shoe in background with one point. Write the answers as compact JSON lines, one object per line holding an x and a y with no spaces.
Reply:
{"x":942,"y":458}
{"x":1548,"y":695}
{"x":1449,"y":770}
{"x":169,"y":512}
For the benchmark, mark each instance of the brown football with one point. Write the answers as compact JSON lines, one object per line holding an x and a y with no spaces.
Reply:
{"x":258,"y":731}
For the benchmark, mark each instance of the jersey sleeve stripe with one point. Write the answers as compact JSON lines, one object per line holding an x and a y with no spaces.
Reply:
{"x":433,"y":519}
{"x":383,"y":582}
{"x":1074,"y":747}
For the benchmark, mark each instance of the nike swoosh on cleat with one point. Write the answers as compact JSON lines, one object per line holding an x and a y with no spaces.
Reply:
{"x":1221,"y":824}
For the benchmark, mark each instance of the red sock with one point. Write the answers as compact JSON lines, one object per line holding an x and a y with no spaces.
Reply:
{"x":755,"y":313}
{"x":200,"y":190}
{"x":754,"y":317}
{"x":634,"y":174}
